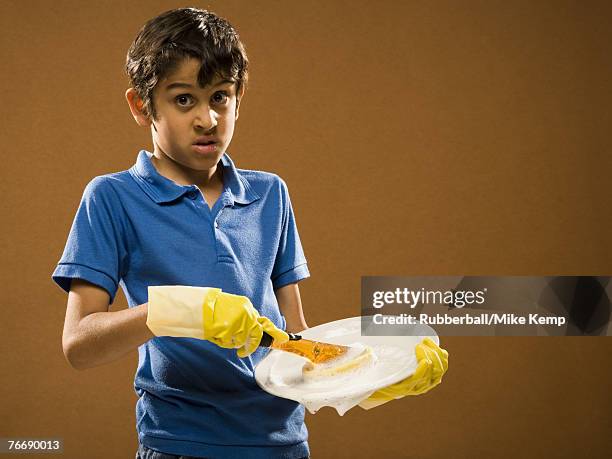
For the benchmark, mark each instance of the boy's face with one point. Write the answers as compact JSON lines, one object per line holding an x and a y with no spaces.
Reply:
{"x":194,"y":125}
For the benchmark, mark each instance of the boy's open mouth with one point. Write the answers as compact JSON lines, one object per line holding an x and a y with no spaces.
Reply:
{"x":205,"y":145}
{"x":204,"y":141}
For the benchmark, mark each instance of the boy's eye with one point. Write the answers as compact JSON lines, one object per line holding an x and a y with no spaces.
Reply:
{"x":220,"y":97}
{"x":184,"y":100}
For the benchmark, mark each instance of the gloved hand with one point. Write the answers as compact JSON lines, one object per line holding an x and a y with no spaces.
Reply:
{"x":432,"y":363}
{"x":229,"y":321}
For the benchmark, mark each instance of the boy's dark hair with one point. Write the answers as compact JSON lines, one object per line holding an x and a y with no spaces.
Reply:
{"x":176,"y":34}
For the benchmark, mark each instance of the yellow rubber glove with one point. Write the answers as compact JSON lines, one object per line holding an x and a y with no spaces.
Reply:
{"x":229,"y":321}
{"x":432,"y":363}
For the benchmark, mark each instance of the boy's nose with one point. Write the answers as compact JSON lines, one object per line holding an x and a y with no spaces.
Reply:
{"x":206,"y":119}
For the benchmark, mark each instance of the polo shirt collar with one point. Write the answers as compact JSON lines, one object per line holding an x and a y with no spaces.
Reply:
{"x":239,"y":187}
{"x":161,"y":189}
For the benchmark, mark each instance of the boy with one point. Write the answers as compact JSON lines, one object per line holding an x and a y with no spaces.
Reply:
{"x":220,"y":241}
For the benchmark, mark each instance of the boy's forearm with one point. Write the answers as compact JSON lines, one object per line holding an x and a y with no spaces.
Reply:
{"x":290,"y":305}
{"x":103,"y":337}
{"x":296,"y":323}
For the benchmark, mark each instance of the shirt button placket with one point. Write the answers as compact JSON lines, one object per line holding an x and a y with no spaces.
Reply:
{"x":218,"y":217}
{"x":222,"y":253}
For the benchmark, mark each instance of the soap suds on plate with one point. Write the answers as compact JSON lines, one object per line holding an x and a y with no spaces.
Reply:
{"x":356,"y":359}
{"x":340,"y":383}
{"x":392,"y":359}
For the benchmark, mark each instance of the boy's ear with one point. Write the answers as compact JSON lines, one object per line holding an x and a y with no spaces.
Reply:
{"x":239,"y":99}
{"x":136,"y":104}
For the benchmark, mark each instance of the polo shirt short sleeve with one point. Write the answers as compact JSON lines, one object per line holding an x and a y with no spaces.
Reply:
{"x":137,"y":229}
{"x":290,"y":264}
{"x":96,"y":249}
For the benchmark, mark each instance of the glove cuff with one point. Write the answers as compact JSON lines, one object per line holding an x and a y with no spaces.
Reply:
{"x":177,"y":310}
{"x":368,"y":404}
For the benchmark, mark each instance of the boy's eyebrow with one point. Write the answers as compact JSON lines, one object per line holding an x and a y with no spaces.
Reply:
{"x":190,"y":86}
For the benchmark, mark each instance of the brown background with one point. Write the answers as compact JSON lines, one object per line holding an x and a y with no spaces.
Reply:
{"x":417,"y":138}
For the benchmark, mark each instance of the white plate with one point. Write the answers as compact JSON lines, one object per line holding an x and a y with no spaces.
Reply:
{"x":280,"y":373}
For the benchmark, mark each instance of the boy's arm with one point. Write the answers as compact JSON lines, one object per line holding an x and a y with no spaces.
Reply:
{"x":290,"y":305}
{"x":93,"y":335}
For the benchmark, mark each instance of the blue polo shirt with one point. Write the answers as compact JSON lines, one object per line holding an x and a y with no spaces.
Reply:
{"x":137,"y":228}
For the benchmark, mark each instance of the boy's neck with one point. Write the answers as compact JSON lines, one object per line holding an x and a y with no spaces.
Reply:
{"x":208,"y":179}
